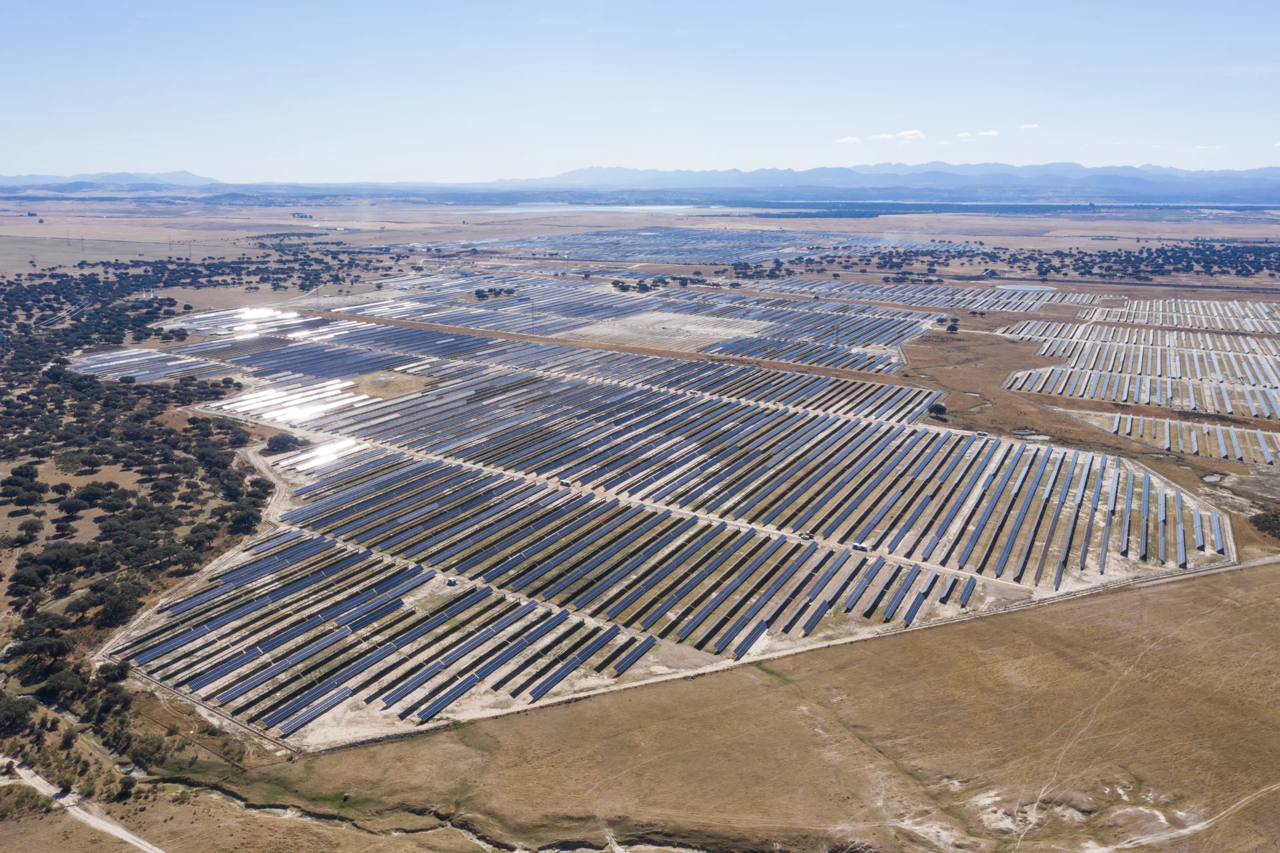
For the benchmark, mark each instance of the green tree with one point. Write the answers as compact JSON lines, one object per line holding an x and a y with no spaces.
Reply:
{"x":15,"y":713}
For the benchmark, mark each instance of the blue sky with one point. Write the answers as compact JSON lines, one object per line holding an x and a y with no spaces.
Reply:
{"x":475,"y":90}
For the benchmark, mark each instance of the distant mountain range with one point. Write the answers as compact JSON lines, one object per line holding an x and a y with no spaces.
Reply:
{"x":985,"y":183}
{"x":168,"y":179}
{"x":937,"y":175}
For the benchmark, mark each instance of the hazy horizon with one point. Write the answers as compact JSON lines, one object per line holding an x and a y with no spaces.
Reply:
{"x":186,"y":177}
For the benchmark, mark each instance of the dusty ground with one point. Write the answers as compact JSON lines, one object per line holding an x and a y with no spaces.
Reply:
{"x":57,"y":832}
{"x":209,"y":823}
{"x":386,"y":384}
{"x":218,"y":298}
{"x":665,"y":330}
{"x":86,"y":524}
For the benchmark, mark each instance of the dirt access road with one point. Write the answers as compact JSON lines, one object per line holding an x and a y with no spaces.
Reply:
{"x":88,"y":814}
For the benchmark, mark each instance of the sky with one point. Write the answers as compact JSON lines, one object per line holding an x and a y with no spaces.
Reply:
{"x":477,"y":90}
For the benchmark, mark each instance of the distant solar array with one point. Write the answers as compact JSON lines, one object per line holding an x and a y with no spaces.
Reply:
{"x":1139,"y":390}
{"x":244,"y":322}
{"x":832,"y":335}
{"x":1261,"y":317}
{"x":864,"y":341}
{"x":691,"y":245}
{"x":291,"y":398}
{"x":931,"y":295}
{"x":1192,"y":371}
{"x":753,"y":306}
{"x":821,"y":355}
{"x":1214,"y":441}
{"x":1042,"y":330}
{"x":145,"y":365}
{"x":334,"y":349}
{"x":230,"y":348}
{"x":948,"y":296}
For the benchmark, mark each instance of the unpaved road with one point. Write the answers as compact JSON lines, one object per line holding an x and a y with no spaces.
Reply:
{"x":90,"y":814}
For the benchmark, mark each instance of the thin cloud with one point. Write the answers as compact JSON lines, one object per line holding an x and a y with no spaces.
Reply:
{"x":1208,"y":147}
{"x":848,"y":140}
{"x":1029,"y":126}
{"x":901,"y":136}
{"x":988,"y":133}
{"x":964,"y":135}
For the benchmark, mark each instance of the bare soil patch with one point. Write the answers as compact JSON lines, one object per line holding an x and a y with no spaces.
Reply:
{"x":57,"y":832}
{"x":386,"y":384}
{"x":666,"y":330}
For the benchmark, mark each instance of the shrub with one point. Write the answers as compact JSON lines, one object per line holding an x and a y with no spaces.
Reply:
{"x":15,"y":713}
{"x":1267,"y":522}
{"x":284,"y":442}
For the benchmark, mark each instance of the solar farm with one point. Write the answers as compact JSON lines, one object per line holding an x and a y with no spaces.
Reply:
{"x":1196,"y":438}
{"x":563,"y":507}
{"x":684,"y":245}
{"x":932,"y":296}
{"x":850,"y":336}
{"x":1201,"y":314}
{"x":1186,"y":371}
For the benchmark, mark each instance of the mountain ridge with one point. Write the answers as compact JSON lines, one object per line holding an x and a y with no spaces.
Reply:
{"x":1059,"y":183}
{"x":875,"y":174}
{"x":181,"y":178}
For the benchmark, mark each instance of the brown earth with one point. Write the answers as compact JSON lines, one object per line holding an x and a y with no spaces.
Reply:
{"x":57,"y":832}
{"x":86,"y":525}
{"x":386,"y":384}
{"x":209,"y":823}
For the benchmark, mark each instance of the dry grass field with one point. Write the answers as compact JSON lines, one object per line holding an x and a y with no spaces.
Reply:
{"x":205,"y":822}
{"x":50,"y":473}
{"x":57,"y":833}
